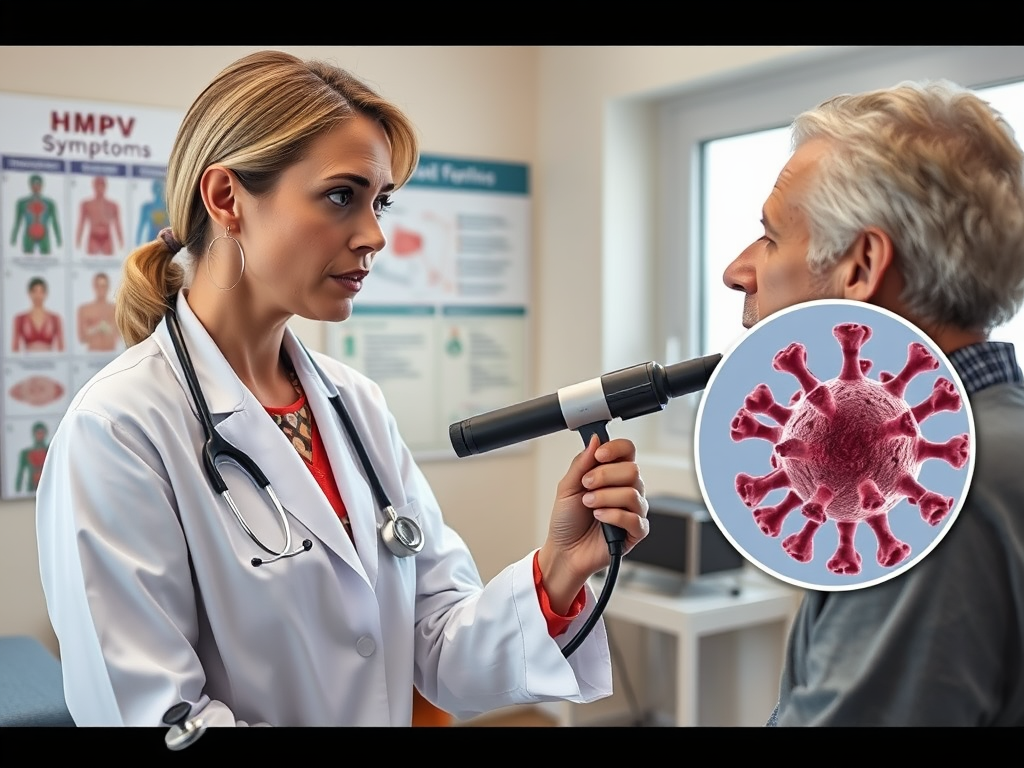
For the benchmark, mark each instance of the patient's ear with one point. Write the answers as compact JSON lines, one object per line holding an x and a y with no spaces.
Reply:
{"x":867,"y":265}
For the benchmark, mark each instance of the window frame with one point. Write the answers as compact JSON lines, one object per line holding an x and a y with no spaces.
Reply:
{"x":748,"y":101}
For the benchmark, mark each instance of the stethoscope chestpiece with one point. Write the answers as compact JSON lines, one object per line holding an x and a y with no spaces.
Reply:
{"x":402,"y":535}
{"x":183,"y":730}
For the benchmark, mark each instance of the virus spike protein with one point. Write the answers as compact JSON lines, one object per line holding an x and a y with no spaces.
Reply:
{"x":848,"y":449}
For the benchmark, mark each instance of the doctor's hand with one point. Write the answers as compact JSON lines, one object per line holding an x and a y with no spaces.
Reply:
{"x":602,"y":485}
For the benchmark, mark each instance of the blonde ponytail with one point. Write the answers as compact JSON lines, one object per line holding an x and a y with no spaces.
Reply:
{"x":150,"y":276}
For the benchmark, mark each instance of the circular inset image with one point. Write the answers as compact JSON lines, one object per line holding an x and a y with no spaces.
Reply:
{"x":834,"y":445}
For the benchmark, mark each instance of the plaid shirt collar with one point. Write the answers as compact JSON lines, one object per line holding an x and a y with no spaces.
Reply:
{"x":985,"y":364}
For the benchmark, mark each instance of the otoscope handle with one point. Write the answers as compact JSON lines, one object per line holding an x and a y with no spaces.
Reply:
{"x":614,"y":535}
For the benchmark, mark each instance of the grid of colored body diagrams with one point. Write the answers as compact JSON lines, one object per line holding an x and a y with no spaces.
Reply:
{"x":81,"y":184}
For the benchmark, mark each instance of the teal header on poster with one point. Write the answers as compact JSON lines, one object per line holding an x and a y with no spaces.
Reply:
{"x":442,"y":172}
{"x":405,"y":310}
{"x":451,"y":311}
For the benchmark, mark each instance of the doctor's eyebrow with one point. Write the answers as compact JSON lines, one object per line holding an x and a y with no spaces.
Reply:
{"x":361,"y":181}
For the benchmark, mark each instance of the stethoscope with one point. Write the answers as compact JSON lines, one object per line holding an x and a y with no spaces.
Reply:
{"x":402,"y":535}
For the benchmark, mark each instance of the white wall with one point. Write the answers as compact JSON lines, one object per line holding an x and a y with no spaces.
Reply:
{"x":548,"y":107}
{"x":595,"y":270}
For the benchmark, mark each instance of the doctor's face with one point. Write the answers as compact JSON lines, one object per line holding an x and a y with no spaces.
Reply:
{"x":309,"y":243}
{"x":772,"y":271}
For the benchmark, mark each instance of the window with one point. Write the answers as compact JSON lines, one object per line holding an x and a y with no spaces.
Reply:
{"x":727,"y":226}
{"x":724,"y":145}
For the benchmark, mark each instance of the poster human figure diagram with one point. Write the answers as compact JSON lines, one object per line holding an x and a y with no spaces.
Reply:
{"x":58,"y":291}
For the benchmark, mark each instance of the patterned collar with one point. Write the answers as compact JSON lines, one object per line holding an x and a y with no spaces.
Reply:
{"x":985,"y":364}
{"x":296,"y":420}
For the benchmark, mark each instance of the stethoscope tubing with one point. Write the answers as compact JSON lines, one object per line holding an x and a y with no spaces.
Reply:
{"x":402,"y":535}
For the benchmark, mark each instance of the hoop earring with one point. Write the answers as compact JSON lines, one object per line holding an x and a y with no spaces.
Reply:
{"x":209,"y":252}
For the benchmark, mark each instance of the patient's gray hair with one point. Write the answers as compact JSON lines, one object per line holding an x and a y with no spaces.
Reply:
{"x":937,"y":168}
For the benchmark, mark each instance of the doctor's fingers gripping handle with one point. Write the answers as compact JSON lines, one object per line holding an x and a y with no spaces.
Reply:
{"x":613,"y":534}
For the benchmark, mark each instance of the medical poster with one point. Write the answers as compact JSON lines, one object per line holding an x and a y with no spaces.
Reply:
{"x":81,"y":184}
{"x":442,"y":321}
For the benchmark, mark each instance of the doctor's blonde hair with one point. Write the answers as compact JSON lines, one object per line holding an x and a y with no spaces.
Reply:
{"x":257,"y":118}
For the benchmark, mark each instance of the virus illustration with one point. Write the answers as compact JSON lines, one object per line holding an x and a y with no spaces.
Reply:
{"x":849,"y":450}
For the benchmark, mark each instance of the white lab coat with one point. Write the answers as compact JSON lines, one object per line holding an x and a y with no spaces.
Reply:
{"x":150,"y":590}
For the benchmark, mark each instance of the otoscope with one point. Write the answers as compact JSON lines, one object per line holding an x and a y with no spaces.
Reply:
{"x":586,"y":407}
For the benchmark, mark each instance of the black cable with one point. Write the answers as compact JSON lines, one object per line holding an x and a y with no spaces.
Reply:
{"x":616,"y":538}
{"x":606,"y":592}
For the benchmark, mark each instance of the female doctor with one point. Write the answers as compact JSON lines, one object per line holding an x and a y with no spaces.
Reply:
{"x":229,"y":521}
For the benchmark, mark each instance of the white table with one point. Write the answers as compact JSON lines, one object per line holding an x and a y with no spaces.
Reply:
{"x":718,"y":603}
